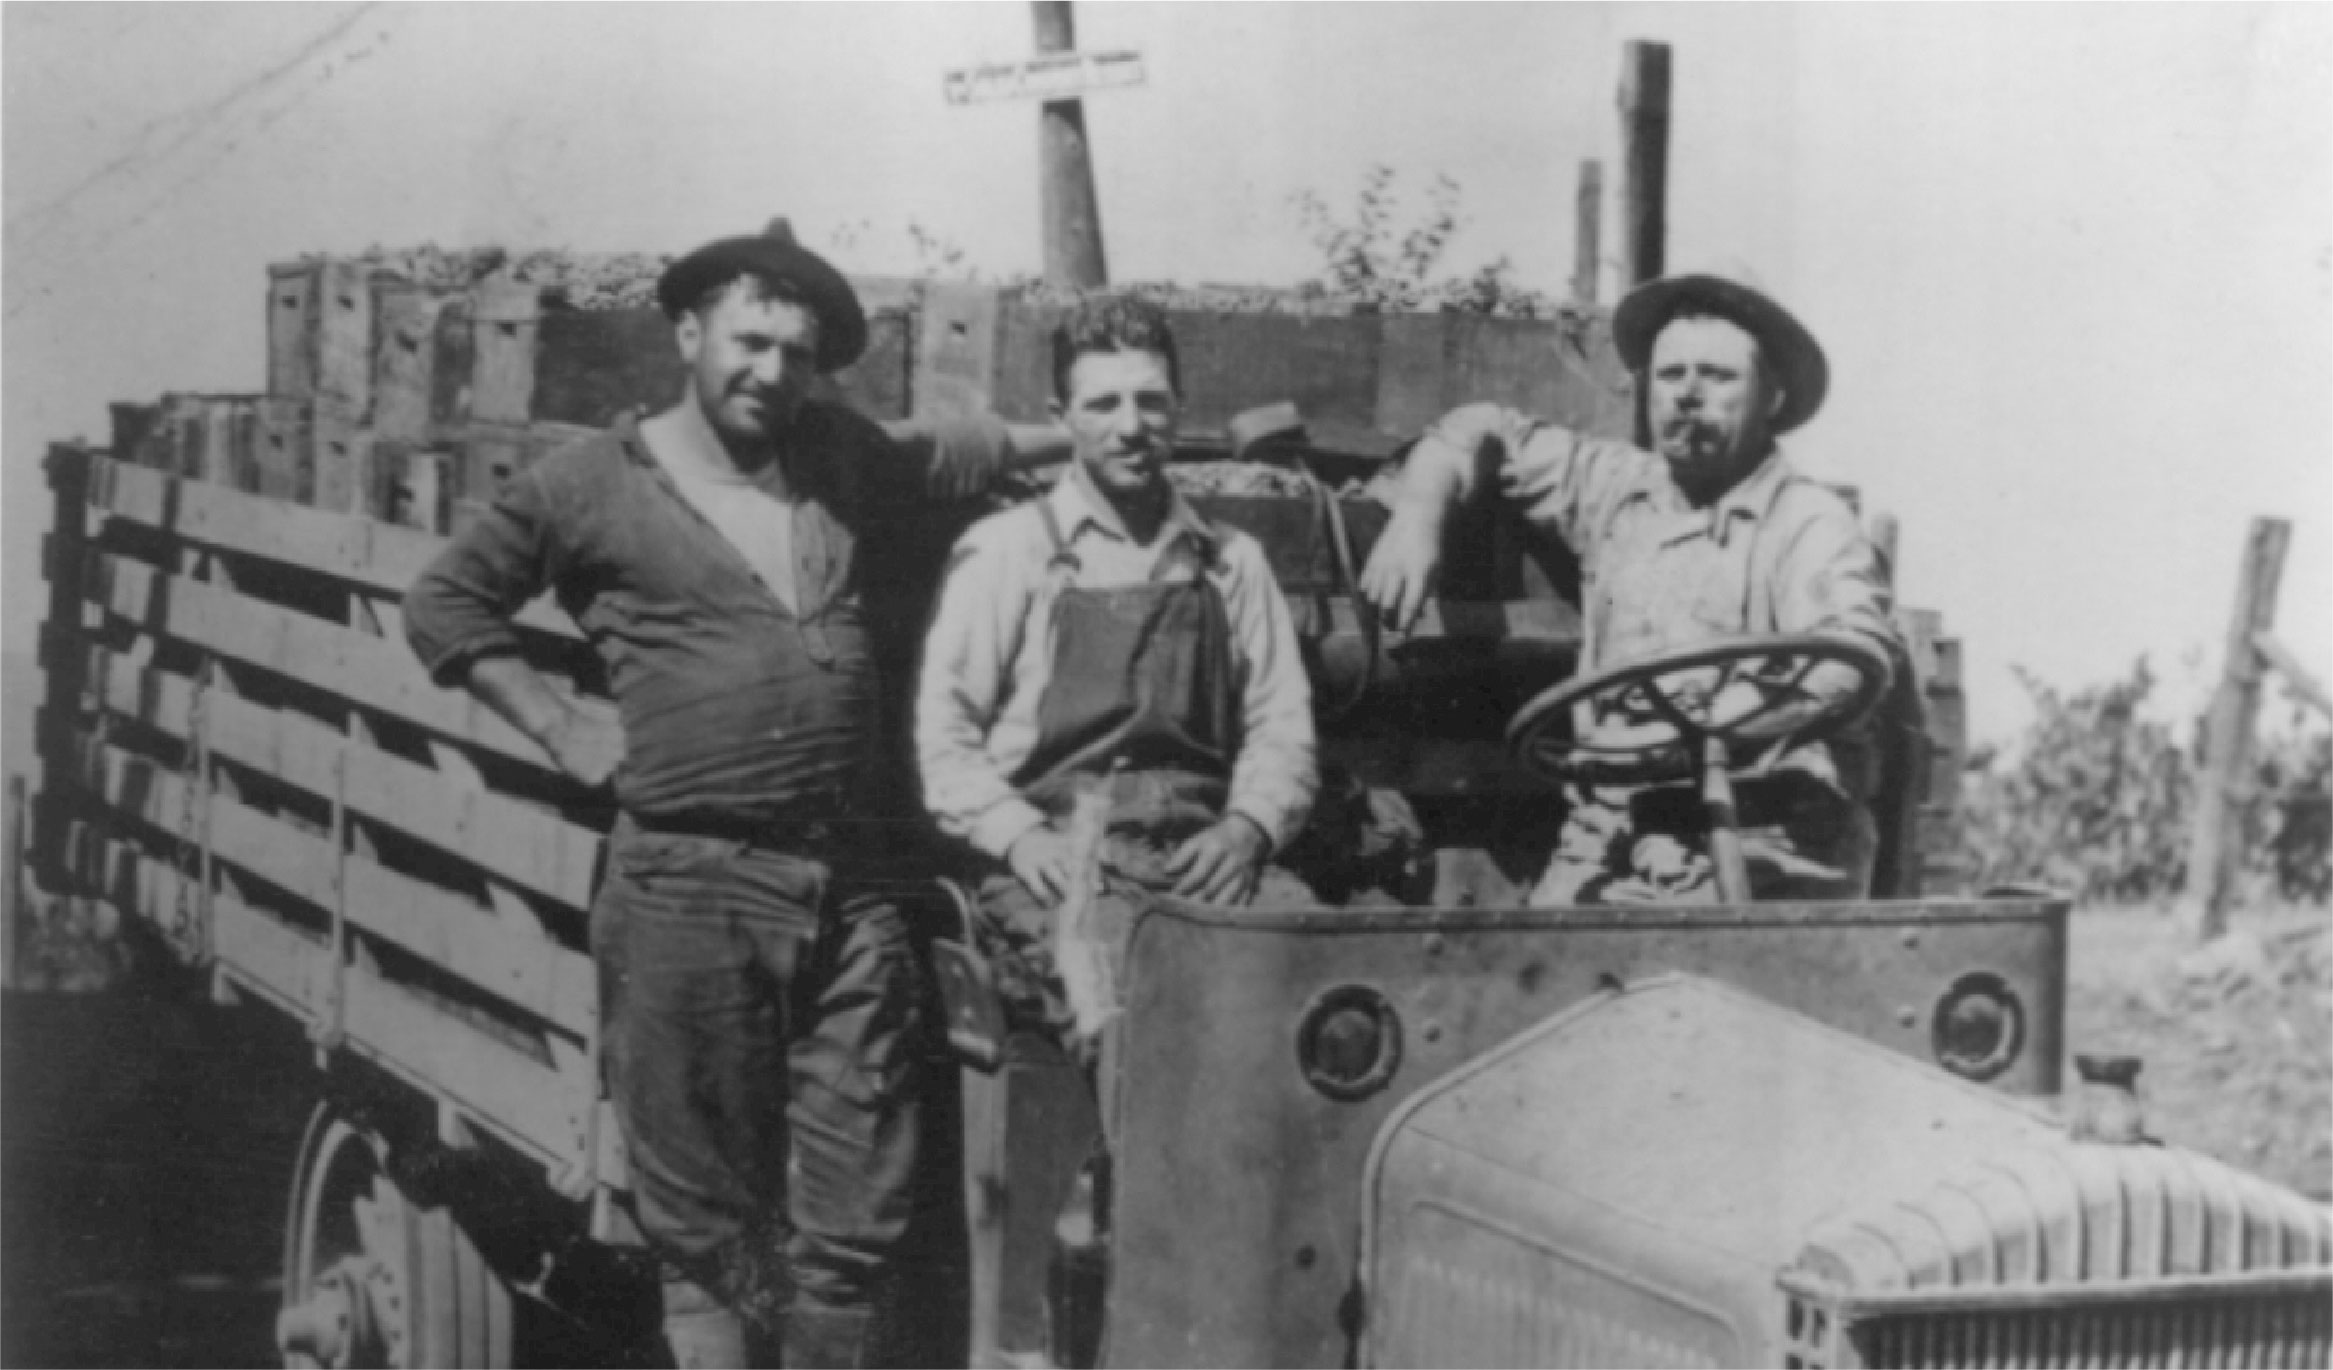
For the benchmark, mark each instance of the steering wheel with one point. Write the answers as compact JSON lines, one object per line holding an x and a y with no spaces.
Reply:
{"x":1670,"y":716}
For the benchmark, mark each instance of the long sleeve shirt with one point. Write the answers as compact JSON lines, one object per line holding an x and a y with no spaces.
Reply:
{"x":735,"y":703}
{"x":989,"y":656}
{"x":1777,"y":553}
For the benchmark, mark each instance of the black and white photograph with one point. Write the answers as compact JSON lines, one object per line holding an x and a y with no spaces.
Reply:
{"x":1106,"y":682}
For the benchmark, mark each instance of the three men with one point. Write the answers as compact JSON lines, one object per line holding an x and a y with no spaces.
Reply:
{"x":1711,"y":534}
{"x":761,"y":1014}
{"x":1106,"y":633}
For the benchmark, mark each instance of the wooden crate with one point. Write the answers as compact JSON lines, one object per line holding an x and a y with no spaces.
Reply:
{"x":421,"y":362}
{"x":209,"y":437}
{"x":320,"y":331}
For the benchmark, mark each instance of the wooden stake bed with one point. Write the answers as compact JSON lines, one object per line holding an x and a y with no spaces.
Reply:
{"x":260,"y":768}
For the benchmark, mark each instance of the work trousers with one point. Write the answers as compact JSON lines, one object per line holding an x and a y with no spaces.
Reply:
{"x":1015,"y":928}
{"x":1800,"y":841}
{"x":762,"y":1024}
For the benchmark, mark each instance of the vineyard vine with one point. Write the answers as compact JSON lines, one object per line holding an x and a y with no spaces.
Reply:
{"x":2099,"y":801}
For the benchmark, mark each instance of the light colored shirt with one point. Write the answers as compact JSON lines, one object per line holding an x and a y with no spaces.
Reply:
{"x":751,"y":513}
{"x":989,"y":657}
{"x":1777,"y":553}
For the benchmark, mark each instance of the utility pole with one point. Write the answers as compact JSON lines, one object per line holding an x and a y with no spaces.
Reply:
{"x":1587,"y":233}
{"x":1073,"y":214}
{"x":1644,"y":136}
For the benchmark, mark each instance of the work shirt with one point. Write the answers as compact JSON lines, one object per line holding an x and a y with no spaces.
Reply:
{"x":1777,"y":553}
{"x":755,"y":512}
{"x":736,"y":707}
{"x":989,"y":656}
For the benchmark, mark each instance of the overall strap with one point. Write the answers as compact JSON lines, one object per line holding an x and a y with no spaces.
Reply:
{"x":1062,"y":558}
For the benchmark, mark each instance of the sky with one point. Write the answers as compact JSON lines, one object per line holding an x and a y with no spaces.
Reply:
{"x":2073,"y":265}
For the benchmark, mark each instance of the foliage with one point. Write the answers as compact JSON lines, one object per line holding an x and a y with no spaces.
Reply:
{"x":1381,"y":258}
{"x":1371,"y":262}
{"x":2100,"y":802}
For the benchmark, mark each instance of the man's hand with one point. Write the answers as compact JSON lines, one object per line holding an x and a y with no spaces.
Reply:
{"x":587,"y":746}
{"x":1041,"y":858}
{"x":1405,"y":567}
{"x":1219,"y":864}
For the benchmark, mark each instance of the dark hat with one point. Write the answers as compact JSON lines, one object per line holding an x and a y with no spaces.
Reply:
{"x":1797,"y":359}
{"x":842,"y":324}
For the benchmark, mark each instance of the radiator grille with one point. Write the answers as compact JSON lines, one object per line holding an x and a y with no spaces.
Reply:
{"x":2283,"y":1328}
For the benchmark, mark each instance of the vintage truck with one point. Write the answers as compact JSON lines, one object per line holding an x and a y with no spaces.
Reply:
{"x":1435,"y":1128}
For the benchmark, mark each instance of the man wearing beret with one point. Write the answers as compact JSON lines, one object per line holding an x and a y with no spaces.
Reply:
{"x":1710,"y":534}
{"x":760,"y":1015}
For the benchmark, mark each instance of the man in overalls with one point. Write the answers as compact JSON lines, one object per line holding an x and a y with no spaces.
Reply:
{"x":760,"y":1002}
{"x":1712,"y":534}
{"x":1106,"y":633}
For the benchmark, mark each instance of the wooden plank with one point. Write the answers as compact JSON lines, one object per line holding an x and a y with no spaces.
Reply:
{"x":536,"y":1106}
{"x":1326,"y":364}
{"x":502,"y":837}
{"x":2215,"y":846}
{"x":134,"y":427}
{"x":291,"y":363}
{"x":1413,"y":370}
{"x":456,"y":346}
{"x":876,"y":384}
{"x":595,"y":364}
{"x":955,"y":349}
{"x":506,"y":319}
{"x":342,"y":459}
{"x":2304,"y":686}
{"x":320,"y":330}
{"x":368,"y":671}
{"x":365,"y":552}
{"x":283,"y":453}
{"x":1024,"y":361}
{"x":56,"y":727}
{"x":503,"y":957}
{"x":405,"y":359}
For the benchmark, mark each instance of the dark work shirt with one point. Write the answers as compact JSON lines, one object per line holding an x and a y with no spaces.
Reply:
{"x":734,"y":708}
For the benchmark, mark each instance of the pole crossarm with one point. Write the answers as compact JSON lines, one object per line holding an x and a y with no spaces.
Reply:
{"x":2279,"y":658}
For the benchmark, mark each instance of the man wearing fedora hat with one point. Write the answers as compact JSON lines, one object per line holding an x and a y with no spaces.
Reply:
{"x":1703,"y":531}
{"x":761,"y":1018}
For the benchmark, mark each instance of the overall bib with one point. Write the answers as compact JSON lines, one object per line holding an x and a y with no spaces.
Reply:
{"x":1144,"y":696}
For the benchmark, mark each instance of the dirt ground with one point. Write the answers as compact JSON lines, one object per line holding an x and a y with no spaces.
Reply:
{"x":2237,"y":1038}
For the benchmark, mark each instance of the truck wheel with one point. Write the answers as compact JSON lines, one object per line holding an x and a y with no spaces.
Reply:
{"x":373,"y":1279}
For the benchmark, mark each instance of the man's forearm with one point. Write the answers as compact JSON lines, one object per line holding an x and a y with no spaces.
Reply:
{"x":510,"y":687}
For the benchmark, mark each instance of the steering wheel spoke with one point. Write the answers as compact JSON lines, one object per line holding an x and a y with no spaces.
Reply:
{"x":1647,"y":722}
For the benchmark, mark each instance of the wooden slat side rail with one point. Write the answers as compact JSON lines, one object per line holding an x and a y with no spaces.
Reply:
{"x":540,"y":1109}
{"x":367,"y":670}
{"x":538,"y":851}
{"x":364,"y":552}
{"x":507,"y":959}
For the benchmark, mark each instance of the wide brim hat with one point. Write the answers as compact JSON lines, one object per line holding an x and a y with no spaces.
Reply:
{"x":1797,"y":359}
{"x":842,"y":323}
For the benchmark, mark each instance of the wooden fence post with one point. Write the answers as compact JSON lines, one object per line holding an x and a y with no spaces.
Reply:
{"x":1587,"y":234}
{"x":1073,"y":214}
{"x":2216,"y":849}
{"x":63,"y":663}
{"x":1644,"y":136}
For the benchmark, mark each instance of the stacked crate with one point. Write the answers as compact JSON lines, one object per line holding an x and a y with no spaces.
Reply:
{"x":411,"y":404}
